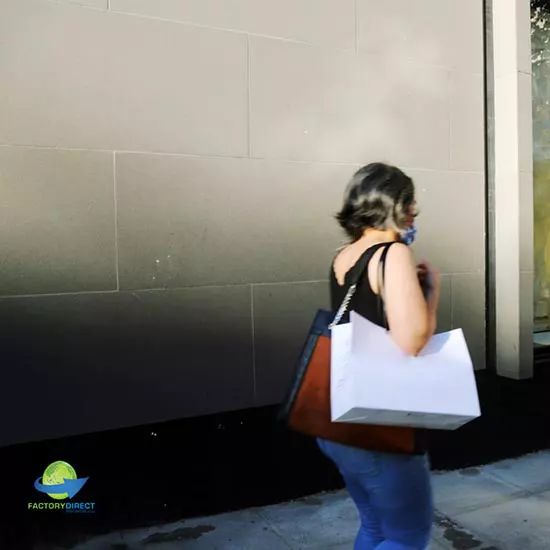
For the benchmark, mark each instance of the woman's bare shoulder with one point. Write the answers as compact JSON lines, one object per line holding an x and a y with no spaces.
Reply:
{"x":400,"y":250}
{"x":400,"y":260}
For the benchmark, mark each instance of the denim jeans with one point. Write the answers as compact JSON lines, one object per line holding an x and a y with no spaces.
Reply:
{"x":392,"y":493}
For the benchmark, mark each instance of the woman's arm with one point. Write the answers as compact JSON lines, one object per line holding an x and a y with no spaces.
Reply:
{"x":430,"y":282}
{"x":412,"y":318}
{"x":433,"y":302}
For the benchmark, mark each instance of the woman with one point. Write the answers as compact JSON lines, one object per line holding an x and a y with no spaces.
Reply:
{"x":391,"y":491}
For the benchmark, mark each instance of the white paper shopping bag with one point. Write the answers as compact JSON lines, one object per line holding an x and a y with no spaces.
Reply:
{"x":374,"y":382}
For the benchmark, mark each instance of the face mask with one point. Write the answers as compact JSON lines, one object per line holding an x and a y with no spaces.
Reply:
{"x":409,"y":234}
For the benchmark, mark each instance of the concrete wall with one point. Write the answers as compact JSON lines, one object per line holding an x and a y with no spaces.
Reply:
{"x":169,"y":171}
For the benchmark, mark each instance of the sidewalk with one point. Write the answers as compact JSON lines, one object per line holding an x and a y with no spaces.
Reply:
{"x":503,"y":506}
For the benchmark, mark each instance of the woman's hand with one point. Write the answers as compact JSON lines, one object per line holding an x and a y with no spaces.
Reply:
{"x":429,"y":278}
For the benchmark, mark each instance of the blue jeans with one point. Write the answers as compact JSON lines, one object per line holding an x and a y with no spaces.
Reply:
{"x":392,"y":493}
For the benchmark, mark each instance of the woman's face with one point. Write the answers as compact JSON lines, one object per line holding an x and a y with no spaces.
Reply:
{"x":412,"y":213}
{"x":408,"y":234}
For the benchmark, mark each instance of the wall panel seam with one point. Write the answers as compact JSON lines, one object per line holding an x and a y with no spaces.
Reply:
{"x":252,"y":323}
{"x":231,"y":157}
{"x":73,"y":5}
{"x":231,"y":31}
{"x":115,"y":206}
{"x":248,"y":97}
{"x":356,"y":14}
{"x":57,"y":294}
{"x":450,"y":82}
{"x":451,"y":301}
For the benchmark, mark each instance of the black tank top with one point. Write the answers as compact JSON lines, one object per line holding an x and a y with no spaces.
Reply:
{"x":365,"y":302}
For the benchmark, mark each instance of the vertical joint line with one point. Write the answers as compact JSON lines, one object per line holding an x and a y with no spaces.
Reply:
{"x":253,"y":341}
{"x":115,"y":200}
{"x":450,"y":116}
{"x":451,"y":302}
{"x":356,"y":7}
{"x":248,"y":98}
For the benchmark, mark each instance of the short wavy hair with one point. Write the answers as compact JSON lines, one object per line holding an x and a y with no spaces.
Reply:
{"x":379,"y":196}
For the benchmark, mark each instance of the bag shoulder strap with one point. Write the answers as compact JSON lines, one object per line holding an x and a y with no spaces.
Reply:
{"x":382,"y":269}
{"x":380,"y":281}
{"x":359,"y":276}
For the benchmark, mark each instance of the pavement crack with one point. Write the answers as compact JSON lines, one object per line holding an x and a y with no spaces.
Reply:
{"x":274,"y":529}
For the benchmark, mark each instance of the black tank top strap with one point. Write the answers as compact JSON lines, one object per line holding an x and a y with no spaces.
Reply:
{"x":357,"y":272}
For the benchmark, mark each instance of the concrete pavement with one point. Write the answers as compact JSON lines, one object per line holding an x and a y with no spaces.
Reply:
{"x":503,"y":506}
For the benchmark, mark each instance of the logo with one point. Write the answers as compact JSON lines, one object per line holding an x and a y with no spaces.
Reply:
{"x":60,"y":482}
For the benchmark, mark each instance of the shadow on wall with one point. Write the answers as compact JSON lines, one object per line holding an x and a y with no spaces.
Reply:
{"x":91,"y":362}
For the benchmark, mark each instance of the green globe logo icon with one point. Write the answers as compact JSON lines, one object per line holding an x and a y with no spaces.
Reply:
{"x":59,"y":481}
{"x":56,"y":474}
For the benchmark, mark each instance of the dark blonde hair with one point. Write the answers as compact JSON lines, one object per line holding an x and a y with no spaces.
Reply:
{"x":379,"y":196}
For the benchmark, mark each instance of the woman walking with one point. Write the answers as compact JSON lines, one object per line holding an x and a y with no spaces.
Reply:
{"x":392,"y":491}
